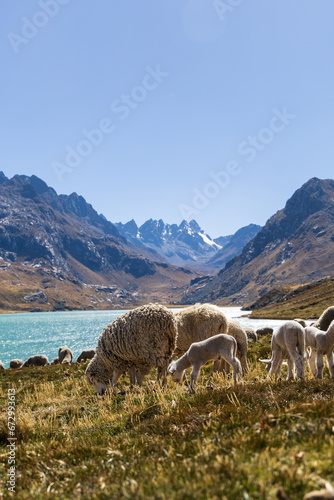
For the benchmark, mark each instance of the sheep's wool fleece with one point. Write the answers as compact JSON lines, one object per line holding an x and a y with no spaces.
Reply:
{"x":325,"y":319}
{"x":198,"y":322}
{"x":144,"y":336}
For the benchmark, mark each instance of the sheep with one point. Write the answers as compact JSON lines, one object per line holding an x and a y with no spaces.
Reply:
{"x":301,"y":322}
{"x":325,"y":319}
{"x":288,"y":342}
{"x":196,"y":323}
{"x":251,"y":334}
{"x":15,"y":363}
{"x":85,"y":355}
{"x":65,"y":355}
{"x":37,"y":360}
{"x":138,"y":341}
{"x":264,"y":331}
{"x":55,"y":361}
{"x":321,"y":344}
{"x":220,"y":346}
{"x":2,"y":367}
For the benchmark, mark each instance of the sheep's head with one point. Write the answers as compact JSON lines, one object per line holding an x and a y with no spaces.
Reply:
{"x":176,"y":374}
{"x":96,"y":376}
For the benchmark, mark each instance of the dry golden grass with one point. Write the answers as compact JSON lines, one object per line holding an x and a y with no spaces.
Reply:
{"x":226,"y":441}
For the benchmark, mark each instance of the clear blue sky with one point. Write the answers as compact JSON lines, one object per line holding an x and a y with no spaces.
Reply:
{"x":199,"y":81}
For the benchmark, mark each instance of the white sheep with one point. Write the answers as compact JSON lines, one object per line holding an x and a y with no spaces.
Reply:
{"x":15,"y":363}
{"x":65,"y":355}
{"x":196,"y":323}
{"x":321,"y":344}
{"x":138,"y":341}
{"x":85,"y":355}
{"x":288,"y":342}
{"x":235,"y":329}
{"x":220,"y":346}
{"x":37,"y":360}
{"x":325,"y":319}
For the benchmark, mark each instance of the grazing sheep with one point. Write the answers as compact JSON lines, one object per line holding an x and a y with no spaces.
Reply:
{"x":251,"y":334}
{"x":2,"y":366}
{"x":65,"y":355}
{"x":196,"y":323}
{"x":236,"y":330}
{"x":220,"y":346}
{"x":55,"y":361}
{"x":321,"y":344}
{"x":37,"y":360}
{"x":264,"y":331}
{"x":138,"y":341}
{"x":288,"y":342}
{"x":15,"y":363}
{"x":301,"y":322}
{"x":85,"y":355}
{"x":325,"y":319}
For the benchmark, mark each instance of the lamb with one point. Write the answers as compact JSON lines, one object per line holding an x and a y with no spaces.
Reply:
{"x":196,"y":323}
{"x":138,"y":341}
{"x":325,"y":319}
{"x":235,"y":329}
{"x":85,"y":355}
{"x":321,"y":344}
{"x":2,"y":367}
{"x":37,"y":360}
{"x":288,"y":342}
{"x":220,"y":346}
{"x":65,"y":355}
{"x":15,"y":363}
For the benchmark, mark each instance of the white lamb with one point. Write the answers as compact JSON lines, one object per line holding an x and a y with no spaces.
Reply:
{"x":220,"y":346}
{"x":321,"y":344}
{"x":288,"y":342}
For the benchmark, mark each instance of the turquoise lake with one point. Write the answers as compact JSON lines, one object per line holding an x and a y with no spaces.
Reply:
{"x":25,"y":334}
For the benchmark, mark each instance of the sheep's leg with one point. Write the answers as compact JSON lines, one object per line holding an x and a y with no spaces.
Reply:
{"x":216,"y":365}
{"x":330,"y":361}
{"x":276,"y":363}
{"x":291,"y":375}
{"x":298,"y":361}
{"x":221,"y":366}
{"x":132,"y":375}
{"x":312,"y":363}
{"x":244,"y":364}
{"x":115,"y":376}
{"x":194,"y":376}
{"x":236,"y":365}
{"x":161,"y":375}
{"x":320,"y":364}
{"x":139,"y":378}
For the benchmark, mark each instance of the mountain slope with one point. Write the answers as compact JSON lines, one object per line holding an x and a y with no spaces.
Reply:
{"x":62,"y":239}
{"x":295,"y":246}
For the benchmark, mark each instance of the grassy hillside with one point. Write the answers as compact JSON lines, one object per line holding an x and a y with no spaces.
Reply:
{"x":226,"y":442}
{"x":305,"y":301}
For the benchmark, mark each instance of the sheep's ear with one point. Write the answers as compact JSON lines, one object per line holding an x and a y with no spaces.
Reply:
{"x":266,"y":361}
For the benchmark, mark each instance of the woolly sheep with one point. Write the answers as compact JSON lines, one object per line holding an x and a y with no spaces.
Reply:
{"x":288,"y":342}
{"x":55,"y":361}
{"x":196,"y":323}
{"x":235,"y":329}
{"x":2,"y":366}
{"x":87,"y":354}
{"x":65,"y":355}
{"x":37,"y":360}
{"x":220,"y":346}
{"x":321,"y":344}
{"x":264,"y":331}
{"x":251,"y":334}
{"x":325,"y":319}
{"x":15,"y":363}
{"x":138,"y":341}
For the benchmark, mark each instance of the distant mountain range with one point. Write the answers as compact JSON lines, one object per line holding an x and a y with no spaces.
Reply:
{"x":56,"y":252}
{"x":294,"y":247}
{"x":187,"y":244}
